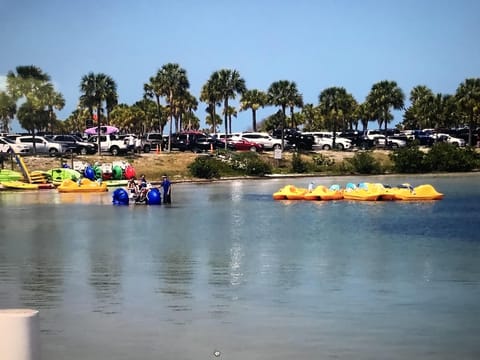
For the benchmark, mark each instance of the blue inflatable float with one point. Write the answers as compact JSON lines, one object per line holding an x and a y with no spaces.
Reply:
{"x":89,"y":173}
{"x":120,"y":197}
{"x":154,"y":197}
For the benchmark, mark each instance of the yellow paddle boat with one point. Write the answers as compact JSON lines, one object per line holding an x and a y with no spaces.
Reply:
{"x":419,"y":193}
{"x":290,"y":192}
{"x":19,"y":185}
{"x":362,"y":192}
{"x":323,"y":193}
{"x":84,"y":185}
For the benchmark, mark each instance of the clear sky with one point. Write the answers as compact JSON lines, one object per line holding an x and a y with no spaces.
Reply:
{"x":315,"y":43}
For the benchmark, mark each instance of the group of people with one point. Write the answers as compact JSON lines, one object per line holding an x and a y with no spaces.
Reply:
{"x":134,"y":144}
{"x":139,"y":189}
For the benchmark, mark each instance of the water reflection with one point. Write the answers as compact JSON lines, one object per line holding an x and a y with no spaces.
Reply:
{"x":227,"y":267}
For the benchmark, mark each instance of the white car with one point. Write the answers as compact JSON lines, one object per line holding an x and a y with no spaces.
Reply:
{"x":264,"y":139}
{"x":449,"y":139}
{"x":392,"y":142}
{"x":324,"y":140}
{"x":7,"y":145}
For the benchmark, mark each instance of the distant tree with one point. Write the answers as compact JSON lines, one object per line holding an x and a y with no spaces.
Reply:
{"x":32,"y":85}
{"x":213,"y":122}
{"x":228,"y":83}
{"x":172,"y":82}
{"x":212,"y":97}
{"x":253,"y":99}
{"x":96,"y":89}
{"x":468,"y":97}
{"x":382,"y":98}
{"x":336,"y":105}
{"x":280,"y":93}
{"x":8,"y":109}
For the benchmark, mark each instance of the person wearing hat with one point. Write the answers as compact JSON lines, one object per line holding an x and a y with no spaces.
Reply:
{"x":167,"y":189}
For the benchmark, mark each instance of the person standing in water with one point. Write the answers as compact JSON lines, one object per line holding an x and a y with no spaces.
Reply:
{"x":167,"y":189}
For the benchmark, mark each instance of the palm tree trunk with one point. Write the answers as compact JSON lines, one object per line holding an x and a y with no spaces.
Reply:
{"x":98,"y":128}
{"x":254,"y":120}
{"x":171,"y":120}
{"x":225,"y":118}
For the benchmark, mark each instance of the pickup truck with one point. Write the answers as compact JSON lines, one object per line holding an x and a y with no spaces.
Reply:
{"x":111,"y":143}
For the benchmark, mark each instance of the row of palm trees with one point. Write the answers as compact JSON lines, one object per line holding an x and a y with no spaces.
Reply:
{"x":336,"y":110}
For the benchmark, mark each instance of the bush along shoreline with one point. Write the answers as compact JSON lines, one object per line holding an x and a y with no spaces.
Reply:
{"x":441,"y":157}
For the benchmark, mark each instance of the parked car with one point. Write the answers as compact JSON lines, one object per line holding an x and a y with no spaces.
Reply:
{"x":324,"y":140}
{"x":245,"y":145}
{"x":264,"y":139}
{"x":111,"y":143}
{"x":42,"y":145}
{"x":75,"y":143}
{"x":440,"y":137}
{"x":392,"y":142}
{"x":7,"y":146}
{"x":295,"y":138}
{"x":150,"y":141}
{"x":189,"y":140}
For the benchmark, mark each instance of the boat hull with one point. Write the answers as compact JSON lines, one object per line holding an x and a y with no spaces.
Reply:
{"x":85,"y":185}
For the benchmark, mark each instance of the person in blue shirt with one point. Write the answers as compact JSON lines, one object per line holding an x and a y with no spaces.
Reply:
{"x":167,"y":189}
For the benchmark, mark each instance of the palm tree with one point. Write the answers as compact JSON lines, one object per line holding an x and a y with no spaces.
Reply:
{"x":384,"y":96}
{"x":468,"y":97}
{"x":172,"y":81}
{"x":231,"y":111}
{"x":8,"y":109}
{"x":363,"y":112}
{"x":253,"y":99}
{"x":280,"y":94}
{"x":96,"y":89}
{"x":228,"y":83}
{"x":111,"y":99}
{"x":48,"y":99}
{"x":312,"y":118}
{"x":336,"y":104}
{"x":210,"y":95}
{"x":295,"y":100}
{"x":33,"y":85}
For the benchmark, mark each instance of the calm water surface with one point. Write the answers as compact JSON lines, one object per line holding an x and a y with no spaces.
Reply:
{"x":227,"y":268}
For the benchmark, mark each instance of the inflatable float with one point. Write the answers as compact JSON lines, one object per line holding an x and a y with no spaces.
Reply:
{"x":122,"y":196}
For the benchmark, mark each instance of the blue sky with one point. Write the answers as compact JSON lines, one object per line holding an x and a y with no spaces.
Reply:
{"x":316,"y":43}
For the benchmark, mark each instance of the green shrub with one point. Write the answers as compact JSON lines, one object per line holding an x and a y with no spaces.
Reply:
{"x":409,"y":159}
{"x":364,"y":163}
{"x":251,"y":164}
{"x":321,"y":162}
{"x":450,"y":158}
{"x":298,"y":165}
{"x":205,"y":167}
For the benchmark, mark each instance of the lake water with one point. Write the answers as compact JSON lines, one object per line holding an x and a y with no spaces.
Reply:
{"x":227,"y":268}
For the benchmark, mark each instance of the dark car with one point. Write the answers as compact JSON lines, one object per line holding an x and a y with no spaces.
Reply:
{"x":188,"y":141}
{"x":295,"y":138}
{"x":423,"y":138}
{"x":74,"y":144}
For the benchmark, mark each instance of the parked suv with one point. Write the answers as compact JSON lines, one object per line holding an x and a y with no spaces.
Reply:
{"x":75,"y":143}
{"x":111,"y":143}
{"x":295,"y":138}
{"x":263,"y":138}
{"x":186,"y":140}
{"x":150,"y":141}
{"x":43,"y":145}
